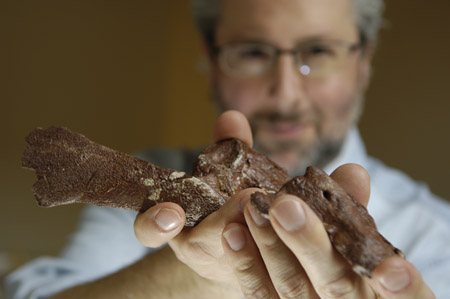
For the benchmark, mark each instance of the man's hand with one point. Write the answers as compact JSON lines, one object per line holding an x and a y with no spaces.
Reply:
{"x":200,"y":247}
{"x":290,"y":255}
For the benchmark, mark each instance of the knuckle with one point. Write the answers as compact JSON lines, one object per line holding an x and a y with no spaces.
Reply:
{"x":294,"y":286}
{"x":342,"y":287}
{"x":245,"y":265}
{"x":272,"y":243}
{"x":257,"y":292}
{"x":195,"y":251}
{"x":252,"y":287}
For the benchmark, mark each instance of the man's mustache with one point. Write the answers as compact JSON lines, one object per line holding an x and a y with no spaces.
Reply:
{"x":272,"y":117}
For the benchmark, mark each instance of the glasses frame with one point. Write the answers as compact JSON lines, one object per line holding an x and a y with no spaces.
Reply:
{"x":219,"y":51}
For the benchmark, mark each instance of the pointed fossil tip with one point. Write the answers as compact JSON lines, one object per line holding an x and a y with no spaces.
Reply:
{"x":261,"y":201}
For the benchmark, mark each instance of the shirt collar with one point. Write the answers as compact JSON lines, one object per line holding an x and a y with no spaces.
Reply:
{"x":352,"y":151}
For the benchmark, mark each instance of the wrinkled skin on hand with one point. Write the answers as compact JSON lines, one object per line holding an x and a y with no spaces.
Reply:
{"x":279,"y":257}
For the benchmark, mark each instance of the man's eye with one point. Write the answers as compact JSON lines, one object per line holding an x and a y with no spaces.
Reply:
{"x":254,"y":54}
{"x":317,"y":50}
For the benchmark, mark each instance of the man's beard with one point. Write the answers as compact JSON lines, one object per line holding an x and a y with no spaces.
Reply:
{"x":319,"y":153}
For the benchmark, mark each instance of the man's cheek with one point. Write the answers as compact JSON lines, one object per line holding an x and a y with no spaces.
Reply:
{"x":335,"y":99}
{"x":245,"y":99}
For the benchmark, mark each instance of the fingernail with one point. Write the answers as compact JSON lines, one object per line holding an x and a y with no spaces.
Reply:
{"x":167,"y":219}
{"x":396,"y":280}
{"x":235,"y":238}
{"x":257,"y":218}
{"x":289,"y":213}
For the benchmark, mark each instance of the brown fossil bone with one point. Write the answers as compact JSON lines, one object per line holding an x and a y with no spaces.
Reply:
{"x":351,"y":229}
{"x":72,"y":169}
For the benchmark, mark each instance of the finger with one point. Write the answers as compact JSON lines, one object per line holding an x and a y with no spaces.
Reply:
{"x":396,"y":278}
{"x":286,"y":273}
{"x":303,"y":232}
{"x":355,"y":180}
{"x":159,"y":224}
{"x":246,"y":262}
{"x":204,"y":240}
{"x":233,"y":124}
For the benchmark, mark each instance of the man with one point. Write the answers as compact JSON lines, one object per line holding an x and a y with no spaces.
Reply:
{"x":297,"y":70}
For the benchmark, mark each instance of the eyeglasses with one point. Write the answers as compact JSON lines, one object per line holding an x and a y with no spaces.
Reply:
{"x":313,"y":59}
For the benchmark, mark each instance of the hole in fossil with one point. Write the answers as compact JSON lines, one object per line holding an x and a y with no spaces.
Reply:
{"x":327,"y":194}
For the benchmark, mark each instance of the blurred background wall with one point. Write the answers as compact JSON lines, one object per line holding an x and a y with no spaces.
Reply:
{"x":127,"y":74}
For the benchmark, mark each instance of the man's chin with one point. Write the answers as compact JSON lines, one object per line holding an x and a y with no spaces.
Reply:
{"x":287,"y":154}
{"x":296,"y":157}
{"x":286,"y":159}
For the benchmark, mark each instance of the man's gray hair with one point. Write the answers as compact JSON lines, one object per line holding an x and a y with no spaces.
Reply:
{"x":368,"y":18}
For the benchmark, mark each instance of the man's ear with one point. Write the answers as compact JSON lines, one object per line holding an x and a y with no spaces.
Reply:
{"x":208,"y":59}
{"x":367,"y":53}
{"x":207,"y":54}
{"x":205,"y":49}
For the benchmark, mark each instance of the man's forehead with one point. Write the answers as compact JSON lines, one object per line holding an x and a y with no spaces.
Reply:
{"x":284,"y":21}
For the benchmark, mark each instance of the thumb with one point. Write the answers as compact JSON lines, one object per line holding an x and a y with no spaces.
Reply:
{"x":159,"y":224}
{"x":233,"y":124}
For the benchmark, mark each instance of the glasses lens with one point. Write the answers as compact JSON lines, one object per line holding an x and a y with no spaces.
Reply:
{"x":320,"y":58}
{"x":247,"y":59}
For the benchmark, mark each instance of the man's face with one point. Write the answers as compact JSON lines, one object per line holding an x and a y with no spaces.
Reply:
{"x":296,"y":120}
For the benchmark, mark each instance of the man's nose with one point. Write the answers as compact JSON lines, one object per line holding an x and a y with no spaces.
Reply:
{"x":287,"y":83}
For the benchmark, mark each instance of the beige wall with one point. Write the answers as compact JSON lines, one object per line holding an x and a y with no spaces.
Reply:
{"x":126,"y":74}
